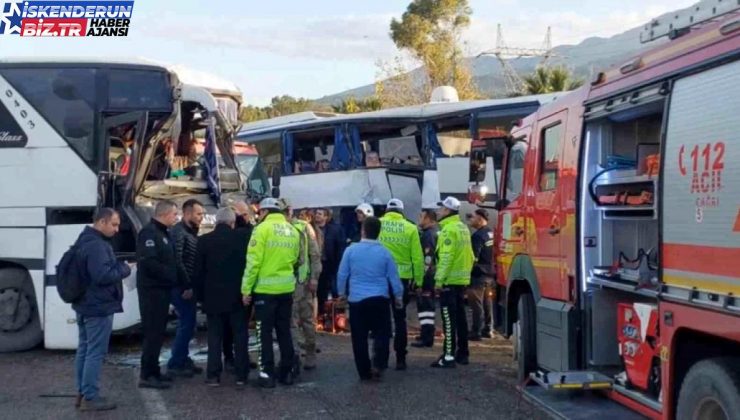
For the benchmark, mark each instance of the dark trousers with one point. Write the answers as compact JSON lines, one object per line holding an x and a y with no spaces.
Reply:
{"x":326,"y":285}
{"x":186,"y":313}
{"x":400,"y":337}
{"x":274,"y":312}
{"x":236,"y":320}
{"x":479,"y":299}
{"x":454,"y":321}
{"x":154,"y":304}
{"x":425,"y":307}
{"x":371,"y":315}
{"x":228,"y":341}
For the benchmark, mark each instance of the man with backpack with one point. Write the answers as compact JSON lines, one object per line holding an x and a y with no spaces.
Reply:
{"x":93,"y":266}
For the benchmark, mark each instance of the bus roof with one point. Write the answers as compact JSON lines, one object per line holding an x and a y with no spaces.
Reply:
{"x":208,"y":81}
{"x":410,"y":114}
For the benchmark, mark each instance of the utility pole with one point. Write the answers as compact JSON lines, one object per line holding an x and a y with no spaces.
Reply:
{"x":512,"y":80}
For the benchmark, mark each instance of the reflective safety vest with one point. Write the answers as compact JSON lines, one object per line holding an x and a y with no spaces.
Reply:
{"x":305,"y":269}
{"x":271,"y":257}
{"x":401,"y":238}
{"x":454,"y":253}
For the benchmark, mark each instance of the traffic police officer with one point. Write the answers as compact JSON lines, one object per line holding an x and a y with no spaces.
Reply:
{"x":273,"y":257}
{"x":401,"y":238}
{"x":304,"y":322}
{"x":454,"y":264}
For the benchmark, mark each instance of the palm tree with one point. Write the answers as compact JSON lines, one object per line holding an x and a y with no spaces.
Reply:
{"x":550,"y":79}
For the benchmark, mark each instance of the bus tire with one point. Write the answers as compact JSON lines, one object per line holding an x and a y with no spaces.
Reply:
{"x":20,"y":325}
{"x":526,"y":337}
{"x":711,"y":390}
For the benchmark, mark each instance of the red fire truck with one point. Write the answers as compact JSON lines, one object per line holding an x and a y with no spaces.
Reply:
{"x":618,"y":236}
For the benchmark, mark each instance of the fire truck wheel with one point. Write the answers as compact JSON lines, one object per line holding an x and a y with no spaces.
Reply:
{"x":711,"y":390}
{"x":20,"y":327}
{"x":525,"y":330}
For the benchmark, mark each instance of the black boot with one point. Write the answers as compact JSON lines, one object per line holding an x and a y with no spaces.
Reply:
{"x":444,"y":363}
{"x":266,"y":381}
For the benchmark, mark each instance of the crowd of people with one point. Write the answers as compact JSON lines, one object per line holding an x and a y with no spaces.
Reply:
{"x":272,"y":269}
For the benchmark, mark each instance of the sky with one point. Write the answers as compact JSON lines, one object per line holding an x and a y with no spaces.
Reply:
{"x":316,"y":48}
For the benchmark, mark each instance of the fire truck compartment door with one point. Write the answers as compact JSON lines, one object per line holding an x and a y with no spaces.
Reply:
{"x":701,"y":183}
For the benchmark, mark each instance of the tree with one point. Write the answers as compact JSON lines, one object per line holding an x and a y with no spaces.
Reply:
{"x":550,"y":79}
{"x":351,"y":105}
{"x":286,"y":105}
{"x":430,"y":30}
{"x":279,"y":105}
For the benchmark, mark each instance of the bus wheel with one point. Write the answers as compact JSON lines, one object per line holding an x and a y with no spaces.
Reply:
{"x":525,"y":337}
{"x":710,"y":391}
{"x":20,"y":326}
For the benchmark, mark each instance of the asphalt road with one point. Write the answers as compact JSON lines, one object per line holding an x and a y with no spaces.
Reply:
{"x":39,"y":385}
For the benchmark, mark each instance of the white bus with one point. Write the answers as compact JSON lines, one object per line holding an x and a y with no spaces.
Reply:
{"x":79,"y":134}
{"x":415,"y":153}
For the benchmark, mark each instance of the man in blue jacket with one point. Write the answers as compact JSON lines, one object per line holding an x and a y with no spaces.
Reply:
{"x":368,"y":272}
{"x":102,"y":273}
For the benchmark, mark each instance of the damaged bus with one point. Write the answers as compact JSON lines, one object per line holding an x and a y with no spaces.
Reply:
{"x":76,"y":135}
{"x":415,"y":153}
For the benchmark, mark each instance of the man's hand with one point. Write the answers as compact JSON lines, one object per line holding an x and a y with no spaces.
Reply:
{"x":312,"y":287}
{"x":398,"y":303}
{"x":187,"y":294}
{"x":247,"y":299}
{"x":426,"y":293}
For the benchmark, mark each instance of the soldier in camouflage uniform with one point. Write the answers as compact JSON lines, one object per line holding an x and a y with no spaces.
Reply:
{"x":307,"y":280}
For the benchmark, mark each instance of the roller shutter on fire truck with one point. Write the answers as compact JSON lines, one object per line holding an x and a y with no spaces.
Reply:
{"x":701,"y":209}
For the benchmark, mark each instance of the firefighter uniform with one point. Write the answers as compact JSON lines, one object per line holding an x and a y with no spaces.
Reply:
{"x":401,"y":238}
{"x":304,"y":332}
{"x":454,"y":264}
{"x":269,"y":277}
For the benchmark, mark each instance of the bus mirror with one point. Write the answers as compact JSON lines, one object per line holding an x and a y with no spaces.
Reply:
{"x":477,"y":194}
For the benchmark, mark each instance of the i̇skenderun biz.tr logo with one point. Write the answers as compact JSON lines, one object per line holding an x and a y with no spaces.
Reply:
{"x":66,"y":18}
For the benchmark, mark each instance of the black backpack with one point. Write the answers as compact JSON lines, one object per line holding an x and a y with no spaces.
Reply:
{"x":70,"y":282}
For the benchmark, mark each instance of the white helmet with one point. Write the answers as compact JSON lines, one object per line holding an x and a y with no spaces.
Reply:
{"x":365,"y":209}
{"x":269,"y":203}
{"x":395,"y":204}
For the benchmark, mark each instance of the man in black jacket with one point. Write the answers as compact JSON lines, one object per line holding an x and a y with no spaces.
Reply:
{"x":482,"y":277}
{"x":425,"y":300}
{"x":102,"y":273}
{"x":185,"y":236}
{"x":331,"y":254}
{"x":158,"y":273}
{"x":220,"y":264}
{"x":243,"y":228}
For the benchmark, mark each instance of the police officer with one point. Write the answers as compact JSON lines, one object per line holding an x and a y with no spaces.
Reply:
{"x":273,"y":257}
{"x":480,"y":291}
{"x":157,"y":275}
{"x":304,"y":323}
{"x":363,"y":211}
{"x":425,"y":301}
{"x":401,"y":238}
{"x":454,"y":264}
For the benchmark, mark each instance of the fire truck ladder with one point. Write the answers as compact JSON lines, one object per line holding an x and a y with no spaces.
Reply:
{"x":681,"y":22}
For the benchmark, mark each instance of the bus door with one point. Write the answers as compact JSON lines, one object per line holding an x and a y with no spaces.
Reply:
{"x":124,"y":138}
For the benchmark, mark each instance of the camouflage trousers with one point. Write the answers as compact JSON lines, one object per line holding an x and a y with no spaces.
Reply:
{"x":304,"y":325}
